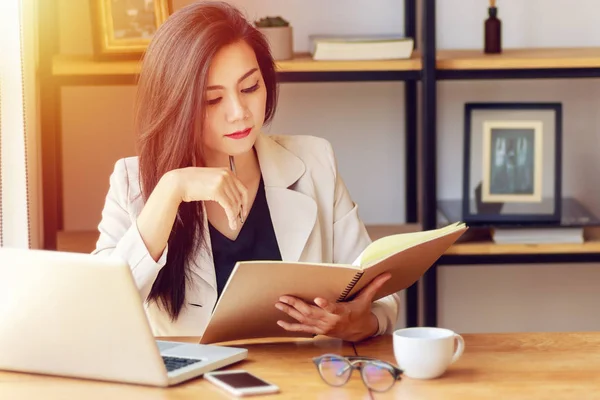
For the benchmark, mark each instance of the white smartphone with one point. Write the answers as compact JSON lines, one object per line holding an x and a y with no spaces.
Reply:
{"x":240,"y":382}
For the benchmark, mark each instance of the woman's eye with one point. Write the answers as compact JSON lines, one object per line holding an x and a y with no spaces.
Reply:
{"x":247,"y":90}
{"x":250,"y":89}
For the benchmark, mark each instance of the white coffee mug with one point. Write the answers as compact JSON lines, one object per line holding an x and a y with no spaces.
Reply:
{"x":426,"y":353}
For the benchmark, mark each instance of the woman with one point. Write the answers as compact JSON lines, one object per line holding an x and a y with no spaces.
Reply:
{"x":181,"y":218}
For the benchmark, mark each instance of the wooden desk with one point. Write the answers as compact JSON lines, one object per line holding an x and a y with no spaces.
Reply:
{"x":494,"y":366}
{"x":287,"y":364}
{"x":506,"y":366}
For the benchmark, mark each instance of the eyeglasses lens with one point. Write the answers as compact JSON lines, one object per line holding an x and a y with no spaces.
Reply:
{"x":335,"y":371}
{"x":377,"y":377}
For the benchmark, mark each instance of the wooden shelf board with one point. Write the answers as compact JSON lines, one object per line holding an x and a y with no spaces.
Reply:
{"x":556,"y":58}
{"x":304,"y":63}
{"x":583,"y":57}
{"x":487,"y":247}
{"x":490,"y":248}
{"x":85,"y":65}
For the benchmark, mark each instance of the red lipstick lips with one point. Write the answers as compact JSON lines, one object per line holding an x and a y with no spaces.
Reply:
{"x":239,"y":134}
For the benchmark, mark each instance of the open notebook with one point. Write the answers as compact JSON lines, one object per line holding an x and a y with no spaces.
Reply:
{"x":246,"y":308}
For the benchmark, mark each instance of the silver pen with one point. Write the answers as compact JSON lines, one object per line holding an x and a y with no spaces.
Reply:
{"x":232,"y":168}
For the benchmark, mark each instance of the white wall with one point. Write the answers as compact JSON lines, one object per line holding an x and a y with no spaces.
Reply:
{"x":364,"y":121}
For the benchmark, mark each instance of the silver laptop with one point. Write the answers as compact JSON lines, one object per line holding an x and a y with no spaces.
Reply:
{"x":81,"y":315}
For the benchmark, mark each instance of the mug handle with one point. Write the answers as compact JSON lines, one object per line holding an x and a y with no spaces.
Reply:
{"x":459,"y":349}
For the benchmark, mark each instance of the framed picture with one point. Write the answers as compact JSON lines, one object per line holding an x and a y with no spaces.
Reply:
{"x":512,"y":163}
{"x":124,"y":28}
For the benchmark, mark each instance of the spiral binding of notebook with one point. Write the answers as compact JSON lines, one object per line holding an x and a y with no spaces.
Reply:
{"x":349,"y":287}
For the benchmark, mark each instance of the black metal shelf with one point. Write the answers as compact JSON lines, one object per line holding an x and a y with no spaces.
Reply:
{"x":429,"y":150}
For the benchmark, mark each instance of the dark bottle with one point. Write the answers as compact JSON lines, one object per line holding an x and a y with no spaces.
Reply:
{"x":493,"y":32}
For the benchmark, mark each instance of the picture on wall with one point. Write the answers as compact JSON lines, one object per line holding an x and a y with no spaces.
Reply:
{"x":124,"y":28}
{"x":512,"y":163}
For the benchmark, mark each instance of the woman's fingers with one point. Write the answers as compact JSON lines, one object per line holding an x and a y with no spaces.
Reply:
{"x":243,"y":192}
{"x":235,"y":197}
{"x":231,"y":209}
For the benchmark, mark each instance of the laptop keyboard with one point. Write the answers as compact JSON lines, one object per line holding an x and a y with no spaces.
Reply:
{"x":173,"y":363}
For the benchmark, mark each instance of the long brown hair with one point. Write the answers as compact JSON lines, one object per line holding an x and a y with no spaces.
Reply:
{"x":169,"y":112}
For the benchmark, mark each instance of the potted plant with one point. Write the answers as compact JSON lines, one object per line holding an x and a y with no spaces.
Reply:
{"x":278,"y":33}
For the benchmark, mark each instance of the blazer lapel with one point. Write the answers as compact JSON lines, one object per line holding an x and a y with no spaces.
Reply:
{"x":293,"y":213}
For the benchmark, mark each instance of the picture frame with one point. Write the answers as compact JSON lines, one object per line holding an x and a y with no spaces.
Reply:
{"x":122,"y":29}
{"x":512,"y":167}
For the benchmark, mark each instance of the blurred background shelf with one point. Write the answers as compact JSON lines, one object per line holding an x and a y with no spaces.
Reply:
{"x":304,"y":63}
{"x":488,"y":247}
{"x":519,"y":63}
{"x":484,"y":251}
{"x":84,"y":69}
{"x":478,"y":244}
{"x":583,"y":57}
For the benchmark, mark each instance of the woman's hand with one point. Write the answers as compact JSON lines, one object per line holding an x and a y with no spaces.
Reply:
{"x":188,"y":184}
{"x":352,"y":321}
{"x":215,"y":184}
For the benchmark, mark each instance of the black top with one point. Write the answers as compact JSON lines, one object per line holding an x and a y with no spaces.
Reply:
{"x":256,"y":240}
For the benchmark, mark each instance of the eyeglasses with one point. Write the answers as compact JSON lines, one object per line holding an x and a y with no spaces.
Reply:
{"x":377,"y":375}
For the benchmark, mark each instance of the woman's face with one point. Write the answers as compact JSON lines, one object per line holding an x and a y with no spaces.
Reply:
{"x":235,"y":102}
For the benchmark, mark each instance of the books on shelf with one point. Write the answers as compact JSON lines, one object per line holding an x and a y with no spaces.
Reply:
{"x":360,"y":47}
{"x":550,"y":235}
{"x":246,"y":308}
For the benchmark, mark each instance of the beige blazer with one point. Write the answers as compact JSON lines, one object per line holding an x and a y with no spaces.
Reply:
{"x":313,"y":216}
